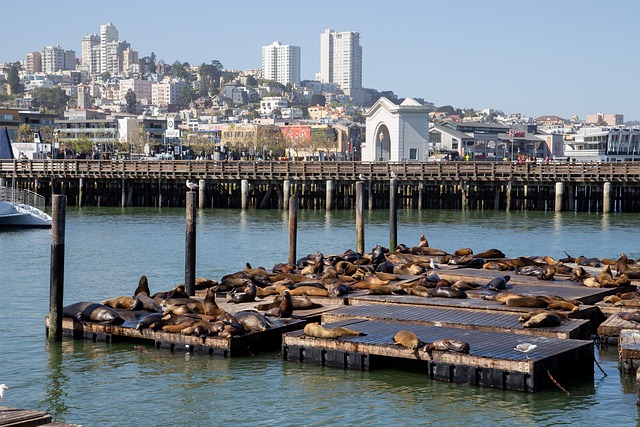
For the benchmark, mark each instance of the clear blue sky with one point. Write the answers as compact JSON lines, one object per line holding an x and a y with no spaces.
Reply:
{"x":561,"y":57}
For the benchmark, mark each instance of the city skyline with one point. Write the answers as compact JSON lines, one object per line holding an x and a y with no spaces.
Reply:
{"x":548,"y":58}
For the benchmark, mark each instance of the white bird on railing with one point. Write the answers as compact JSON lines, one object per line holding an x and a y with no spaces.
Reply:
{"x":192,"y":185}
{"x":361,"y":177}
{"x":3,"y":387}
{"x":393,"y":175}
{"x":525,"y":348}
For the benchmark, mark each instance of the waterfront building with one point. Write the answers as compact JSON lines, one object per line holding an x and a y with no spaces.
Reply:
{"x":604,"y":144}
{"x":270,"y":103}
{"x":281,"y":63}
{"x":396,"y":132}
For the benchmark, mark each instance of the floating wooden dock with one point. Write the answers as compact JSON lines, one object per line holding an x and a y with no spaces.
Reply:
{"x":610,"y":330}
{"x":491,"y":362}
{"x":629,"y":349}
{"x":467,"y":319}
{"x":14,"y":417}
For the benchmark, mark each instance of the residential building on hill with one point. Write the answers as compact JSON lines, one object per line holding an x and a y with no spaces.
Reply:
{"x":281,"y":63}
{"x":341,"y":59}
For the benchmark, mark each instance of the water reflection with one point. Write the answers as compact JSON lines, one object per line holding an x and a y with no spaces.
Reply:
{"x":57,"y":380}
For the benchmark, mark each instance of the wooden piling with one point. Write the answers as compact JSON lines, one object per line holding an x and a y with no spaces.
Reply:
{"x":123,"y":201}
{"x":559,"y":193}
{"x":329,"y":195}
{"x":293,"y":229}
{"x":190,"y":245}
{"x":244,"y":194}
{"x":359,"y":218}
{"x":606,"y":197}
{"x":80,"y":191}
{"x":202,"y":193}
{"x":393,"y":211}
{"x":56,"y":287}
{"x":286,"y":193}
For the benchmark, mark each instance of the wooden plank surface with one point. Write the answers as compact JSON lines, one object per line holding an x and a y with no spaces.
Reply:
{"x":14,"y":417}
{"x":467,"y":319}
{"x":613,"y":325}
{"x":629,"y":348}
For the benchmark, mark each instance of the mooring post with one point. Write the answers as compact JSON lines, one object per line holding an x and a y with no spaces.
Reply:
{"x":559,"y":193}
{"x":293,"y":229}
{"x":359,"y":218}
{"x":420,"y":194}
{"x":160,"y":193}
{"x":393,"y":217}
{"x":329,"y":197}
{"x":286,"y":193}
{"x":2,"y":183}
{"x":190,"y":245}
{"x":80,"y":187}
{"x":496,"y":203}
{"x":244,"y":193}
{"x":606,"y":197}
{"x":56,"y":283}
{"x":202,"y":193}
{"x":508,"y":191}
{"x":123,"y":201}
{"x":369,"y":195}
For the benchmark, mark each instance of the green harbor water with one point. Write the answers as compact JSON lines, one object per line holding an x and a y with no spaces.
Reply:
{"x":108,"y":249}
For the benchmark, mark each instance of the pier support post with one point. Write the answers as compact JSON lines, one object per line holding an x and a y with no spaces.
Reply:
{"x":123,"y":201}
{"x":370,"y":195}
{"x":293,"y":229}
{"x":202,"y":193}
{"x":464,"y":196}
{"x":508,"y":191}
{"x":496,"y":203}
{"x":329,"y":196}
{"x":286,"y":193}
{"x":606,"y":197}
{"x":56,"y":286}
{"x":526,"y":198}
{"x":160,"y":193}
{"x":393,"y":211}
{"x":559,"y":194}
{"x":2,"y":183}
{"x":244,"y":191}
{"x":80,"y":191}
{"x":359,"y":218}
{"x":190,"y":245}
{"x":420,"y":195}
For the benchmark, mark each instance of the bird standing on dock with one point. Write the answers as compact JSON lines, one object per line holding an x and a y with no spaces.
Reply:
{"x":393,"y":175}
{"x":525,"y":348}
{"x":192,"y":185}
{"x":433,"y":265}
{"x":3,"y":387}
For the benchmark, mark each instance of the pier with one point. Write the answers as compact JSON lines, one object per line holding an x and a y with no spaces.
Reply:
{"x":583,"y":187}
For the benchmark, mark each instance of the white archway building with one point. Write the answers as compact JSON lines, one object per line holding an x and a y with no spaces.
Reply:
{"x":396,"y":132}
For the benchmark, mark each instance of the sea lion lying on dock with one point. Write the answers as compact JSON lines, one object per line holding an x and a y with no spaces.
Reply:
{"x":316,"y":330}
{"x":407,"y":339}
{"x":622,"y":267}
{"x":632,"y":316}
{"x":86,"y":311}
{"x":543,"y":320}
{"x":456,"y":346}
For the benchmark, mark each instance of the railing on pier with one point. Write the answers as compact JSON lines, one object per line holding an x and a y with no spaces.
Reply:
{"x":320,"y":171}
{"x":21,"y":196}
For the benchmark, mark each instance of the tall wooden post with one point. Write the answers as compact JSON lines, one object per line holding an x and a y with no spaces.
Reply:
{"x":123,"y":201}
{"x":190,"y":245}
{"x":202,"y":193}
{"x":244,"y":194}
{"x":606,"y":197}
{"x":508,"y":191}
{"x":80,"y":191}
{"x":329,"y":195}
{"x":559,"y":194}
{"x":286,"y":193}
{"x":359,"y":217}
{"x":56,"y":283}
{"x":393,"y":211}
{"x":293,"y":229}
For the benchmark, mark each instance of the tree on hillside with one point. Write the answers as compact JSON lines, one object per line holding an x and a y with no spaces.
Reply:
{"x":25,"y":133}
{"x":14,"y":78}
{"x":209,"y":75}
{"x":446,"y":109}
{"x":187,"y":94}
{"x":132,"y":101}
{"x":318,"y":99}
{"x":179,"y":70}
{"x":251,"y":81}
{"x":50,"y":99}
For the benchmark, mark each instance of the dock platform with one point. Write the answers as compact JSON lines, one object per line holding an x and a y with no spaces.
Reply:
{"x":467,"y":319}
{"x":629,"y":349}
{"x":14,"y":417}
{"x":610,"y":330}
{"x":491,"y":362}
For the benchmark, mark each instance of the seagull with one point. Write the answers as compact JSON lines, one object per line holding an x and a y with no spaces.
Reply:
{"x":3,"y":387}
{"x":525,"y":348}
{"x":433,"y":265}
{"x":192,"y":185}
{"x":361,"y":177}
{"x":393,"y":175}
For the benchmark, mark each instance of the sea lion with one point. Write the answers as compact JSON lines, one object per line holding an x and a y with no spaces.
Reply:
{"x":491,"y":253}
{"x":526,"y":301}
{"x":412,"y":269}
{"x":463,"y":252}
{"x":463,"y":285}
{"x":316,"y":330}
{"x":632,"y":316}
{"x":407,"y":339}
{"x":252,"y":320}
{"x":526,"y":316}
{"x":148,"y":320}
{"x":93,"y":312}
{"x":423,"y":242}
{"x":338,"y":290}
{"x":634,"y":302}
{"x":622,"y":267}
{"x":578,"y":274}
{"x":285,"y":309}
{"x":126,"y":302}
{"x":145,"y":302}
{"x":419,"y":291}
{"x":248,"y":295}
{"x":457,"y":346}
{"x":543,"y":320}
{"x":446,"y":292}
{"x":498,"y":283}
{"x":308,"y":290}
{"x":209,"y":329}
{"x":143,"y":287}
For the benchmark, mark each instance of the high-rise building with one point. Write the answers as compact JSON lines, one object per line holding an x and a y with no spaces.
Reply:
{"x":55,"y":58}
{"x":88,"y":43}
{"x":341,"y":59}
{"x":281,"y":63}
{"x":34,"y":62}
{"x":108,"y":33}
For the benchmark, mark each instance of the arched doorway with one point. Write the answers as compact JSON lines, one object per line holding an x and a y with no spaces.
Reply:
{"x":383,"y":143}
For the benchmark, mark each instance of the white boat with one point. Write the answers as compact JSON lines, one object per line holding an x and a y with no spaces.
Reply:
{"x":22,"y":209}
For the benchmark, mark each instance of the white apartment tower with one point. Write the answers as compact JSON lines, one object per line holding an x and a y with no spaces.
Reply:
{"x":108,"y":33}
{"x":281,"y":63}
{"x":341,"y":59}
{"x":88,"y":43}
{"x":55,"y":58}
{"x":34,"y":62}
